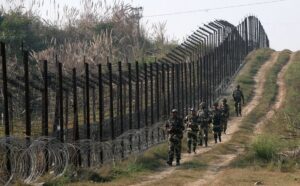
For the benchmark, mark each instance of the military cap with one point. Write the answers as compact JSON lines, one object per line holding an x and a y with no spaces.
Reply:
{"x":216,"y":104}
{"x":174,"y":110}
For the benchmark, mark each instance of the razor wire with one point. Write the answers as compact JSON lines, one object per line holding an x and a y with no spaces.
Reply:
{"x":30,"y":159}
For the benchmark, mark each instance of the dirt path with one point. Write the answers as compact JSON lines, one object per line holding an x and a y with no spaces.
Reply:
{"x":212,"y":180}
{"x":279,"y":98}
{"x":260,"y":78}
{"x":233,"y":126}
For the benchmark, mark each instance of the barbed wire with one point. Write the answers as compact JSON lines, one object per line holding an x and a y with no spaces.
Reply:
{"x":30,"y":159}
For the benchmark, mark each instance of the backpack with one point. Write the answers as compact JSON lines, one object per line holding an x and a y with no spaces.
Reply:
{"x":237,"y":94}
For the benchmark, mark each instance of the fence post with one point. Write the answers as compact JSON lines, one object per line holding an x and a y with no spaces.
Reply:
{"x":168,"y":88}
{"x":5,"y":96}
{"x":198,"y":83}
{"x":75,"y":109}
{"x":101,"y":113}
{"x":146,"y":94}
{"x":201,"y":70}
{"x":11,"y":115}
{"x":87,"y":101}
{"x":27,"y":96}
{"x":190,"y":84}
{"x":5,"y":91}
{"x":45,"y":99}
{"x":182,"y":89}
{"x":137,"y":94}
{"x":194,"y":84}
{"x":177,"y":86}
{"x":129,"y":95}
{"x":121,"y":105}
{"x":163,"y":85}
{"x":94,"y":104}
{"x":67,"y":113}
{"x":111,"y":101}
{"x":151,"y":94}
{"x":137,"y":101}
{"x":75,"y":114}
{"x":173,"y":85}
{"x":121,"y":96}
{"x":146,"y":101}
{"x":130,"y":103}
{"x":186,"y":87}
{"x":61,"y":107}
{"x":45,"y":109}
{"x":157,"y":92}
{"x":206,"y":62}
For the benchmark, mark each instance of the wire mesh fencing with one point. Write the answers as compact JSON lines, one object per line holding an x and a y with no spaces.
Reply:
{"x":53,"y":116}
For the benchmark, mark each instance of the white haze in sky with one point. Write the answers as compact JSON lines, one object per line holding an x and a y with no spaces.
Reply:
{"x":281,"y":20}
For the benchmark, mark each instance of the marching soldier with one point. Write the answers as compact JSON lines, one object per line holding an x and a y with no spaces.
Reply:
{"x":174,"y":128}
{"x":192,"y":126}
{"x":225,"y":114}
{"x":216,"y":121}
{"x":205,"y":120}
{"x":238,"y":97}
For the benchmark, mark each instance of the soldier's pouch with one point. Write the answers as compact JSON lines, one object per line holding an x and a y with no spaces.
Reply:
{"x":175,"y":138}
{"x":189,"y":129}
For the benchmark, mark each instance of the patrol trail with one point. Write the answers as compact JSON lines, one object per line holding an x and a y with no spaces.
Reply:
{"x":214,"y":168}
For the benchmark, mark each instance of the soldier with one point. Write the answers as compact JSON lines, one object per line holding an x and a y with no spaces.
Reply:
{"x":225,"y":114}
{"x":205,"y":120}
{"x":238,"y":96}
{"x":216,"y":121}
{"x":174,"y":128}
{"x":192,"y":126}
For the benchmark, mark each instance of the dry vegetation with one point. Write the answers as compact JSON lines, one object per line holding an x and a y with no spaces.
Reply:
{"x":97,"y":30}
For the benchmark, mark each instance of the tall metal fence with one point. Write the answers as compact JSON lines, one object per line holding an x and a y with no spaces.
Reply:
{"x":53,"y":116}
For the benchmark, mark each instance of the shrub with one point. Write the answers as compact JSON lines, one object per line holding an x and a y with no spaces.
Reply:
{"x":266,"y":147}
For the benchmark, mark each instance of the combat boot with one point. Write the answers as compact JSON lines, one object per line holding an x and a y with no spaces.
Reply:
{"x":220,"y":139}
{"x":200,"y":143}
{"x":177,"y":162}
{"x":169,"y":163}
{"x":189,"y":147}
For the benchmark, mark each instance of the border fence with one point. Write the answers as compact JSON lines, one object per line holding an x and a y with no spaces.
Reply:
{"x":53,"y":116}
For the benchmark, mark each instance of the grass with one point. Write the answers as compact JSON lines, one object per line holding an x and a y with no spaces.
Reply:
{"x":261,"y":150}
{"x":261,"y":163}
{"x":245,"y":78}
{"x":266,"y":147}
{"x":151,"y":160}
{"x":254,"y":61}
{"x":133,"y":169}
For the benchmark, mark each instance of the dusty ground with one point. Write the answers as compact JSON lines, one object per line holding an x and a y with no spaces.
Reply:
{"x":258,"y":129}
{"x":214,"y":169}
{"x":280,"y":96}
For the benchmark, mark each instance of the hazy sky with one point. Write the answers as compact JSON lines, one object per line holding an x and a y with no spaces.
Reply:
{"x":281,"y":20}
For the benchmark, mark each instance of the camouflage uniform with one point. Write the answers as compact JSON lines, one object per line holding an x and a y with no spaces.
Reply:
{"x":205,"y":119}
{"x":192,"y":127}
{"x":238,"y":97}
{"x":225,"y":115}
{"x":216,"y":121}
{"x":174,"y":127}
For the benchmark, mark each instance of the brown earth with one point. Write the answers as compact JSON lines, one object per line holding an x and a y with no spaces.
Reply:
{"x":214,"y":169}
